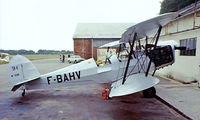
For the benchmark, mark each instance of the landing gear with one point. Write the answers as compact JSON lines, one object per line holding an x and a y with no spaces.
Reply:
{"x":105,"y":94}
{"x":23,"y":93}
{"x":149,"y":93}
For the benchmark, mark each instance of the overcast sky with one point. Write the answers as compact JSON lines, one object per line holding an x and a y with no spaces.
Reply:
{"x":50,"y":24}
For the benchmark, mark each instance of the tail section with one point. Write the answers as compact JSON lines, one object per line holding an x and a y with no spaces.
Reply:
{"x":20,"y":71}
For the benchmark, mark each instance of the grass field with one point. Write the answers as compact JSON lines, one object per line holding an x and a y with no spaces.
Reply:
{"x":2,"y":62}
{"x":37,"y":57}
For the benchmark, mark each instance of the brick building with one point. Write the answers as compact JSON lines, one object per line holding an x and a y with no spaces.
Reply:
{"x":89,"y":36}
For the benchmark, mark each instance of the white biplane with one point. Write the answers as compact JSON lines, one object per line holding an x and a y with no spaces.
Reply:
{"x":127,"y":76}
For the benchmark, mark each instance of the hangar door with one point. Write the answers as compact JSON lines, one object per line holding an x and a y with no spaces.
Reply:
{"x":99,"y":42}
{"x":101,"y":53}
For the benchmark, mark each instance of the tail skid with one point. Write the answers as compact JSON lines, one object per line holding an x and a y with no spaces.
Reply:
{"x":20,"y":71}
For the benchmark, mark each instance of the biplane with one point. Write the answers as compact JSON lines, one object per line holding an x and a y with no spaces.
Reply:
{"x":127,"y":76}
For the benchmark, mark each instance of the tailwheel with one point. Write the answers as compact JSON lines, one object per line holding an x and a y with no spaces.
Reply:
{"x":149,"y":93}
{"x":105,"y":94}
{"x":23,"y":93}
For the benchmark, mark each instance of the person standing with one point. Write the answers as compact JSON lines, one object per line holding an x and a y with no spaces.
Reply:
{"x":63,"y":58}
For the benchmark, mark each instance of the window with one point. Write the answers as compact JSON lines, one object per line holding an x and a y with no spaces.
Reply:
{"x":190,"y":45}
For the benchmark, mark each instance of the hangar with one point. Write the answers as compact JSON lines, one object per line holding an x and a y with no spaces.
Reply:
{"x":185,"y":30}
{"x":89,"y":36}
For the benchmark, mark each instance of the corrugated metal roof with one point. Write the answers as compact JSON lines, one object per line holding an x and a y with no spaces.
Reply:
{"x":101,"y":30}
{"x":189,"y":9}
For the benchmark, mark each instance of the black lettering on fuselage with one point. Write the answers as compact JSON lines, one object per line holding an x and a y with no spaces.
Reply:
{"x":71,"y":76}
{"x":48,"y":79}
{"x":78,"y":74}
{"x":65,"y":77}
{"x":59,"y":78}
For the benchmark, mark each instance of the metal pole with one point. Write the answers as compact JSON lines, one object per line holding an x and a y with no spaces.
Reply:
{"x":195,"y":14}
{"x":157,"y":38}
{"x":92,"y":49}
{"x":119,"y":51}
{"x":129,"y":58}
{"x":146,"y":44}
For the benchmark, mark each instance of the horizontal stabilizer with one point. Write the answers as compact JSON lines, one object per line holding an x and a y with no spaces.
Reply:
{"x":16,"y":87}
{"x":134,"y":83}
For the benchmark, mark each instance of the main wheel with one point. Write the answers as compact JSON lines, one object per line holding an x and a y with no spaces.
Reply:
{"x":149,"y":93}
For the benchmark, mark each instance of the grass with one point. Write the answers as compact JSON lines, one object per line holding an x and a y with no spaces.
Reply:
{"x":37,"y":57}
{"x":3,"y":62}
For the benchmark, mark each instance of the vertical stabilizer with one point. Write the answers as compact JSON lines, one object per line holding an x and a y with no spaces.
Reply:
{"x":21,"y":70}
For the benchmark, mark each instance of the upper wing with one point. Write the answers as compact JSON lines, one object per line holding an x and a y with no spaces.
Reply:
{"x":147,"y":27}
{"x":111,"y":44}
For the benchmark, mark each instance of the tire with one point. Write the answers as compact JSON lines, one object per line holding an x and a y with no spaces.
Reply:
{"x":149,"y":93}
{"x":75,"y":61}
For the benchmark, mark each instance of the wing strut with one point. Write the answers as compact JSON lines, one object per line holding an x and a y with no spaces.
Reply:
{"x":129,"y":58}
{"x":157,"y":38}
{"x":119,"y":51}
{"x":107,"y":57}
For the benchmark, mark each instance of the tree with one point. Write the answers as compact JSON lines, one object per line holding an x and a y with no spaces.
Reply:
{"x":30,"y":52}
{"x":11,"y":52}
{"x":174,"y":5}
{"x":25,"y":52}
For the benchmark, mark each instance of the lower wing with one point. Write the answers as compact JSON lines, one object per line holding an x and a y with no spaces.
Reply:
{"x":134,"y":83}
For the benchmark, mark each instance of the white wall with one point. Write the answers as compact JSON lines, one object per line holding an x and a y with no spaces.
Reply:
{"x":185,"y":68}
